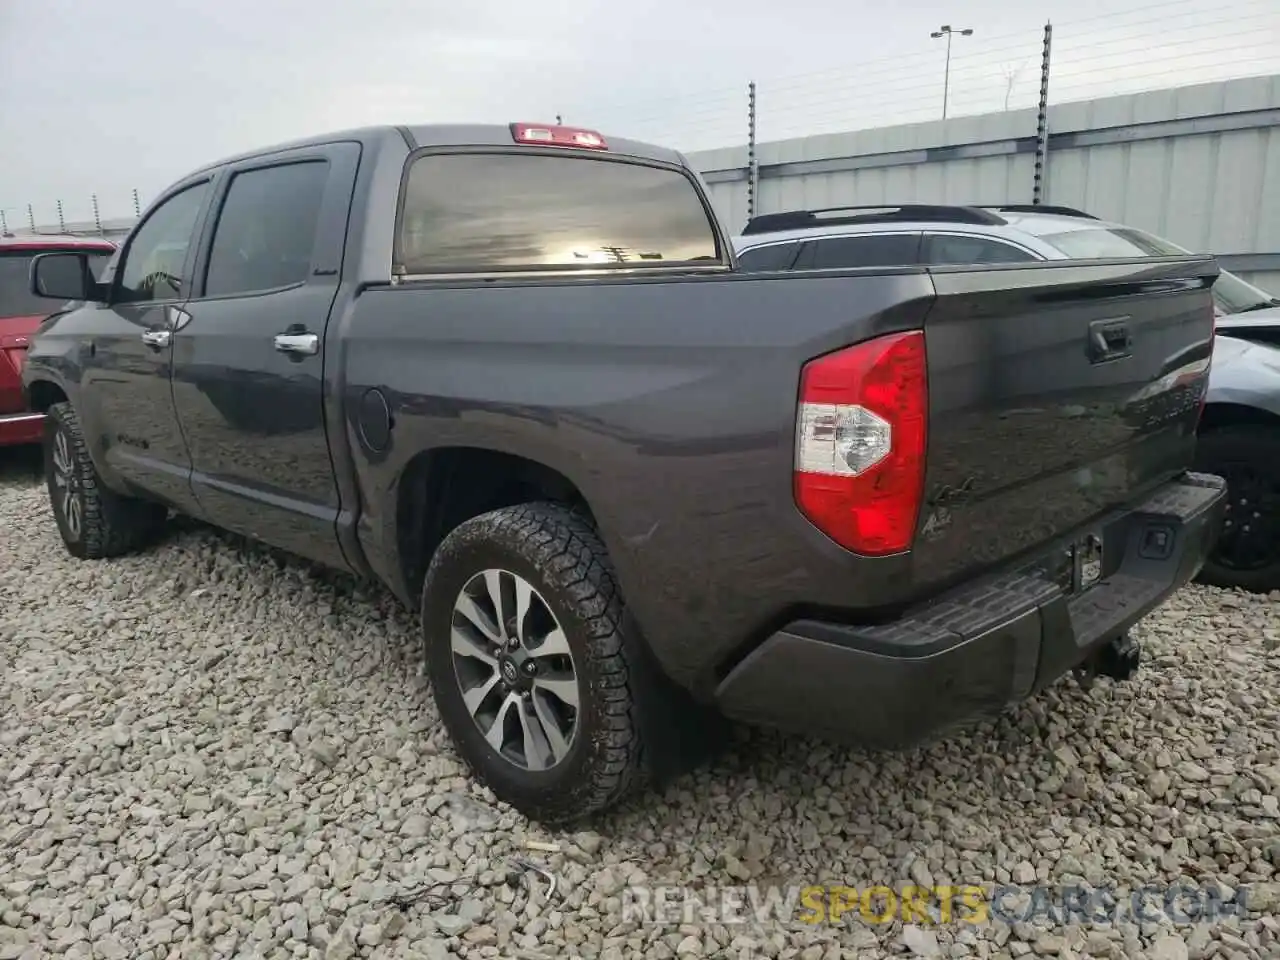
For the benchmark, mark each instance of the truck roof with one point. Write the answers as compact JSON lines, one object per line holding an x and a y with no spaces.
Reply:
{"x":451,"y":135}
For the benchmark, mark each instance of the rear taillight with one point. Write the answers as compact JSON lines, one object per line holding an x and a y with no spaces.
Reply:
{"x":860,"y":443}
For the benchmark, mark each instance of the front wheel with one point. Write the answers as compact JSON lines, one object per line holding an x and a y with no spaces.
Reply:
{"x":94,"y":521}
{"x":1247,"y":554}
{"x":532,"y":663}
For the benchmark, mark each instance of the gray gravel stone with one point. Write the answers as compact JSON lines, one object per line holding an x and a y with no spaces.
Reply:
{"x":1169,"y":947}
{"x":921,"y":941}
{"x":451,"y":924}
{"x":209,"y":753}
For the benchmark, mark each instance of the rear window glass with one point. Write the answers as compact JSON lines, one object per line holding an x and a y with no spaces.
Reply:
{"x":487,"y":212}
{"x":1110,"y":243}
{"x":16,"y":300}
{"x":1230,"y":293}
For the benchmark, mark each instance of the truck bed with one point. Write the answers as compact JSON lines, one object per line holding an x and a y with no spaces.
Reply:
{"x":670,"y":403}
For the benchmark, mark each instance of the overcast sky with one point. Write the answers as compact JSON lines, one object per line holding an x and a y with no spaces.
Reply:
{"x":107,"y":97}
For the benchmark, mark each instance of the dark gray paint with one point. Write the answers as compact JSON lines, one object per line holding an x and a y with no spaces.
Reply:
{"x":254,"y":417}
{"x":121,"y":387}
{"x":992,"y":642}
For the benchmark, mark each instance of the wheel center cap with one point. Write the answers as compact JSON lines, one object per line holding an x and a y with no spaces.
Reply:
{"x":510,"y":673}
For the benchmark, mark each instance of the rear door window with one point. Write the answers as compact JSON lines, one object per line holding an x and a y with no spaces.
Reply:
{"x":870,"y":250}
{"x":266,"y":229}
{"x":486,"y":212}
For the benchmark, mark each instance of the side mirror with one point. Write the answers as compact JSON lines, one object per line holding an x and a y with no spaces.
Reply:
{"x":64,"y":276}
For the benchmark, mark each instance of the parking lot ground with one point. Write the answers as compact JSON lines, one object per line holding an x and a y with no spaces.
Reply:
{"x":209,"y":750}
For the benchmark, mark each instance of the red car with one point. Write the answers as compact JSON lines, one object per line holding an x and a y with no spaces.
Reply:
{"x":20,"y":314}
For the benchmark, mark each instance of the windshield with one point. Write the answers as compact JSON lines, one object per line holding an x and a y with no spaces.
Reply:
{"x":16,"y":299}
{"x":1230,"y":293}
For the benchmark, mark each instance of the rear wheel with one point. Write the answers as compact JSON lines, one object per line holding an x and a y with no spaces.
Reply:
{"x":533,"y":662}
{"x":94,"y":522}
{"x":1247,"y":554}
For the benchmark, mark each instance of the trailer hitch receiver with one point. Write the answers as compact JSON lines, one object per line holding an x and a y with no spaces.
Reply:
{"x":1119,"y":659}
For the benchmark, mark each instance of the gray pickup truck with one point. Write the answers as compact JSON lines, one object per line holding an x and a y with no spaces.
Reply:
{"x":512,"y":373}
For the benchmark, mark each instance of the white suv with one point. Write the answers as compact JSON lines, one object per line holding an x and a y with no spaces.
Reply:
{"x":933,"y":235}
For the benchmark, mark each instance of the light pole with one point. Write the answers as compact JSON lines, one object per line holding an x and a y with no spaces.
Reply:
{"x":946,"y":31}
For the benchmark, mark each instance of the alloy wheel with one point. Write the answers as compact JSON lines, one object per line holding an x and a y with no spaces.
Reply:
{"x":66,"y":486}
{"x":514,"y":667}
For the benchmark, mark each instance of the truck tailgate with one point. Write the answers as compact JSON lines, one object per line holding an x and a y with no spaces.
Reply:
{"x":1056,"y":394}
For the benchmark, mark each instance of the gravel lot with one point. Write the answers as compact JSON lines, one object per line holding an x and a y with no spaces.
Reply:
{"x":209,"y":751}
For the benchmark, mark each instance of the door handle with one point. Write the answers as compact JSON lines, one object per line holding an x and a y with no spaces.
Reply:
{"x":298,"y":344}
{"x":157,"y":339}
{"x":1109,"y":340}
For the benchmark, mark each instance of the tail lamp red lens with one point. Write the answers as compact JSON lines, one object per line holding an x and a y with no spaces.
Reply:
{"x":860,"y":443}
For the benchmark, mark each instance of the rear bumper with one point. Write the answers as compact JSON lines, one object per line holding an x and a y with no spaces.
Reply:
{"x":984,"y":646}
{"x":20,"y":428}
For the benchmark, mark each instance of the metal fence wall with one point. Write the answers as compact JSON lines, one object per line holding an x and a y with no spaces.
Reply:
{"x":1199,"y":165}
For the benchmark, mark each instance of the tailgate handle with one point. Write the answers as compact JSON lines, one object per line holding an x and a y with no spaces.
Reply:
{"x":1109,"y":340}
